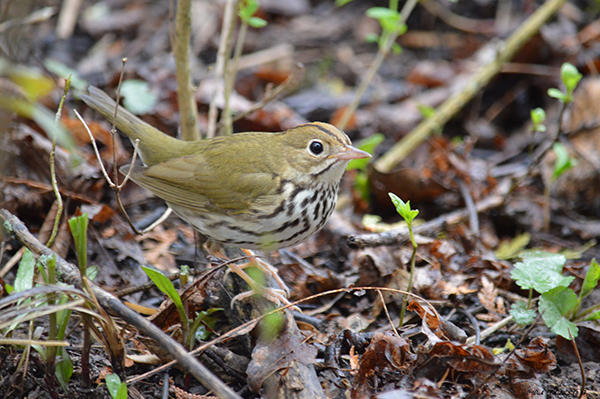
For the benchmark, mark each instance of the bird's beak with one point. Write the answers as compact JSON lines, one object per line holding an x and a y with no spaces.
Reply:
{"x":349,"y":152}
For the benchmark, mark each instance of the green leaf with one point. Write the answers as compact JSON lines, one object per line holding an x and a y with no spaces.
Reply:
{"x":137,"y":96}
{"x":538,"y":115}
{"x":541,"y":271}
{"x":339,"y":3}
{"x":390,"y":20}
{"x":204,"y":323}
{"x":563,"y":161}
{"x":116,"y":388}
{"x":369,"y":144}
{"x":64,"y":368}
{"x":361,"y":185}
{"x":40,"y":115}
{"x":257,"y":22}
{"x":591,"y":279}
{"x":380,"y":13}
{"x":372,"y":38}
{"x":397,"y":49}
{"x":426,"y":110}
{"x":570,"y":76}
{"x":24,"y":279}
{"x":403,"y":208}
{"x":167,"y":287}
{"x":593,"y":316}
{"x":511,"y":249}
{"x":554,"y":306}
{"x":555,"y":93}
{"x":78,"y":226}
{"x":32,"y":82}
{"x":91,"y":272}
{"x":522,"y":315}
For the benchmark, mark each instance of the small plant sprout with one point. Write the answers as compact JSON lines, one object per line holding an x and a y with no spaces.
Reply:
{"x":246,"y":13}
{"x":116,"y":388}
{"x":190,"y":328}
{"x":570,"y":77}
{"x":403,"y":209}
{"x":538,"y":116}
{"x":563,"y":163}
{"x":391,"y":23}
{"x":559,"y":305}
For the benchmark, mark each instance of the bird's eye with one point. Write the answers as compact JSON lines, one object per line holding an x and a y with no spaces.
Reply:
{"x":315,"y":147}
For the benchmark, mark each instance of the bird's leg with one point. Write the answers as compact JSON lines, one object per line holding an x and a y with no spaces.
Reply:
{"x":266,"y":268}
{"x":278,"y":296}
{"x":272,"y":294}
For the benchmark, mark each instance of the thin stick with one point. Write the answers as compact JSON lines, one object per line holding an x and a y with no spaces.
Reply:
{"x":222,"y":58}
{"x":188,"y":112}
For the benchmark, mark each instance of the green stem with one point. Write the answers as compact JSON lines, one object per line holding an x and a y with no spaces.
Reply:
{"x":409,"y":288}
{"x":412,"y":272}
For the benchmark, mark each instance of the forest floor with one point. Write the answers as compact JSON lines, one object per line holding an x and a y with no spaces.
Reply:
{"x":502,"y":207}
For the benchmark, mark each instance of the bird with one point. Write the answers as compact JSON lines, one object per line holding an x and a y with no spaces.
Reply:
{"x":253,"y":190}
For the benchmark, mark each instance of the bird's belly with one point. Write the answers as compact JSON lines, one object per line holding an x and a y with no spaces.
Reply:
{"x":287,"y":224}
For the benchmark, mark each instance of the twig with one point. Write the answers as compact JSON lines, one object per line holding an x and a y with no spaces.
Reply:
{"x":67,"y":18}
{"x":455,"y":103}
{"x":227,"y":123}
{"x":582,"y":390}
{"x":116,"y":187}
{"x":385,"y":309}
{"x":35,"y":17}
{"x":470,"y":208}
{"x":458,"y":21}
{"x":222,"y":59}
{"x":59,"y":202}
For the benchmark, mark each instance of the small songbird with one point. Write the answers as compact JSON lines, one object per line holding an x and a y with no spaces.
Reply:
{"x":253,"y":190}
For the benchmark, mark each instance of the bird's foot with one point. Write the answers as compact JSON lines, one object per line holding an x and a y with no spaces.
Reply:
{"x":266,"y":268}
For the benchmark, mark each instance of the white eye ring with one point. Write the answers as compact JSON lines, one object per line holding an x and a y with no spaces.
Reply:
{"x":315,"y":147}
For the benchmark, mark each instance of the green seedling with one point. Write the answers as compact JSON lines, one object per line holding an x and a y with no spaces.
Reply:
{"x":570,"y":77}
{"x":409,"y":215}
{"x":559,"y":305}
{"x":538,"y":116}
{"x":246,"y":13}
{"x":563,"y":163}
{"x":390,"y":21}
{"x":116,"y":388}
{"x":189,"y":328}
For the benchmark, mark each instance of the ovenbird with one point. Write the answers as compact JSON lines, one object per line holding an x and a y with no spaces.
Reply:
{"x":252,"y":190}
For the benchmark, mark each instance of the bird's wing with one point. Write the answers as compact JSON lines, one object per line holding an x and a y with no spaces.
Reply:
{"x":197,"y":185}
